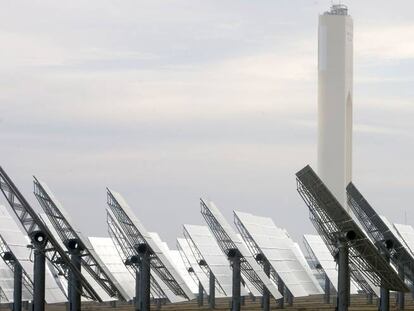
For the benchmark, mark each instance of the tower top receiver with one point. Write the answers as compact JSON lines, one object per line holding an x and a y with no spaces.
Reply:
{"x":337,"y":9}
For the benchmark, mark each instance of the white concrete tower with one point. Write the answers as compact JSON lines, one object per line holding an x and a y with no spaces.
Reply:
{"x":335,"y":79}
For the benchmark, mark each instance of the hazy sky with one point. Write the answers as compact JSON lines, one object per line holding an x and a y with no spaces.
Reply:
{"x":166,"y":101}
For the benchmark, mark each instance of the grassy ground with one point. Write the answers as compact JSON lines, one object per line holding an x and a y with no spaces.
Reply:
{"x":311,"y":303}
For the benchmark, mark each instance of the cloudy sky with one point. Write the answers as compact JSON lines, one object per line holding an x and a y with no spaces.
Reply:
{"x":166,"y":101}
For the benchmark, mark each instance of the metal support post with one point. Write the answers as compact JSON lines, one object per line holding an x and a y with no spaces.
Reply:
{"x":281,"y":289}
{"x":145,"y":261}
{"x":67,"y":304}
{"x":39,"y":241}
{"x":75,"y":283}
{"x":343,"y":276}
{"x":401,"y":295}
{"x":137,"y":290}
{"x":234,"y":257}
{"x":370,"y":298}
{"x":266,"y":294}
{"x":17,"y":291}
{"x":412,"y":290}
{"x":17,"y":277}
{"x":289,"y":297}
{"x":385,"y":299}
{"x":327,"y":290}
{"x":212,"y":296}
{"x":200,"y":294}
{"x":384,"y":292}
{"x":134,"y":261}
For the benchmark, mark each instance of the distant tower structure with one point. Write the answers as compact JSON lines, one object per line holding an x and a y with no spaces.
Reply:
{"x":335,"y":79}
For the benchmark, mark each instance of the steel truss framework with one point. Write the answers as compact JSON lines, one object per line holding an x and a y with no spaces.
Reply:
{"x":199,"y":257}
{"x":226,"y":243}
{"x":32,"y":223}
{"x":89,"y":260}
{"x":136,"y":238}
{"x":126,"y":251}
{"x":26,"y":280}
{"x":254,"y":248}
{"x":332,"y":221}
{"x":3,"y":297}
{"x":187,"y":263}
{"x":55,"y":275}
{"x":380,"y":232}
{"x":315,"y":262}
{"x":361,"y":281}
{"x":355,"y":275}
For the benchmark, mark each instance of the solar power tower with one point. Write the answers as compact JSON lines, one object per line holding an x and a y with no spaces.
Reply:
{"x":83,"y":256}
{"x":194,"y":269}
{"x":384,"y":237}
{"x":130,"y":257}
{"x":44,"y":243}
{"x":238,"y":254}
{"x":210,"y":259}
{"x":149,"y":252}
{"x":275,"y":251}
{"x":346,"y":241}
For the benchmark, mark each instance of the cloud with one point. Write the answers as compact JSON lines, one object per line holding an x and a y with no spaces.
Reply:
{"x":381,"y":130}
{"x":216,"y":90}
{"x":167,"y":101}
{"x":25,"y":50}
{"x":391,"y":42}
